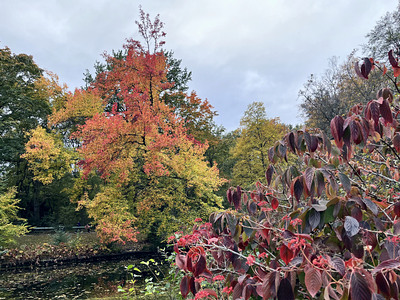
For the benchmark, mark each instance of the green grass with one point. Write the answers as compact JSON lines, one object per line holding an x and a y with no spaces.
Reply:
{"x":41,"y":238}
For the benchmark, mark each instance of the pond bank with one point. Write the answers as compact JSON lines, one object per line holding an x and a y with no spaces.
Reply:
{"x":45,"y":263}
{"x":36,"y":251}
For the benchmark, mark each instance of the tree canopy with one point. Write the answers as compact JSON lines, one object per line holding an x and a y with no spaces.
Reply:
{"x":256,"y":134}
{"x":152,"y":166}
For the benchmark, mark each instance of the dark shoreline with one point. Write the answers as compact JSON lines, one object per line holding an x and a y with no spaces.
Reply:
{"x":17,"y":266}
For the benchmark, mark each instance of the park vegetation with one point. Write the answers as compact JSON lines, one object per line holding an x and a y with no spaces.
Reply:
{"x":309,"y":211}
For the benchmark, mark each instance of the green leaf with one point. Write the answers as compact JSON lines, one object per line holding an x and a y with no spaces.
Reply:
{"x":328,"y":215}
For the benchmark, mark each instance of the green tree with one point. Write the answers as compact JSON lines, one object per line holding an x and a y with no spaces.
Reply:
{"x":257,"y":134}
{"x":21,"y":110}
{"x":9,"y":230}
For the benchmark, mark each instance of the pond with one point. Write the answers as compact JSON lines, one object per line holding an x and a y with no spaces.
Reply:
{"x":80,"y":281}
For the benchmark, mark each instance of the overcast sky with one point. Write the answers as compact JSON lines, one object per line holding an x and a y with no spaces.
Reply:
{"x":238,"y":51}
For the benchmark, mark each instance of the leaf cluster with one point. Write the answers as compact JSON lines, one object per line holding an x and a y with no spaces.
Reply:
{"x":326,"y":228}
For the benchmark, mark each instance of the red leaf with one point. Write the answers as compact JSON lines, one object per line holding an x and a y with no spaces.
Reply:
{"x":237,"y":291}
{"x":236,"y":200}
{"x":356,"y":132}
{"x":180,"y":261}
{"x":358,"y":71}
{"x":285,"y":291}
{"x":269,"y":285}
{"x":387,"y":264}
{"x":366,"y":67}
{"x":369,"y":239}
{"x":298,"y":189}
{"x":200,"y":266}
{"x":338,"y":264}
{"x":184,"y":286}
{"x":392,"y":60}
{"x":269,"y":173}
{"x":192,"y":285}
{"x":386,"y":112}
{"x":320,"y":182}
{"x":337,"y":130}
{"x":286,"y":254}
{"x":396,"y":142}
{"x":274,"y":203}
{"x":309,"y":177}
{"x":327,"y":143}
{"x":229,"y":196}
{"x":356,"y":213}
{"x":314,"y":143}
{"x":264,"y":232}
{"x":396,"y":71}
{"x":396,"y":209}
{"x":359,"y":288}
{"x":239,"y":192}
{"x":245,"y":198}
{"x":383,"y":285}
{"x":291,"y":143}
{"x":313,"y":281}
{"x":271,"y":154}
{"x":307,"y":138}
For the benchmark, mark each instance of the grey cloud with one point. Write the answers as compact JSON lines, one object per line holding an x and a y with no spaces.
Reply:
{"x":238,"y":51}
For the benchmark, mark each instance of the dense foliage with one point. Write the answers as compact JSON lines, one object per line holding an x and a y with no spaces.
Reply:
{"x":145,"y":153}
{"x":328,"y":229}
{"x":256,"y":134}
{"x":9,"y":230}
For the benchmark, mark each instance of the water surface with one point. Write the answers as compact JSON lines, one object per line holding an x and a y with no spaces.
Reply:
{"x":79,"y":281}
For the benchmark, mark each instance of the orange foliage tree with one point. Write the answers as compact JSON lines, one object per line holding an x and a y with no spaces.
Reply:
{"x":154,"y":173}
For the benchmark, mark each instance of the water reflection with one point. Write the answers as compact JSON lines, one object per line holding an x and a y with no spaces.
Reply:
{"x":82,"y":281}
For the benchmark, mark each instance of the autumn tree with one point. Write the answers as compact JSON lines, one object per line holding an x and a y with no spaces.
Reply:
{"x":256,"y":134}
{"x":197,"y":114}
{"x":153,"y":171}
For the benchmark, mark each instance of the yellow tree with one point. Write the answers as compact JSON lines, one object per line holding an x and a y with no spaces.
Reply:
{"x":256,"y":135}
